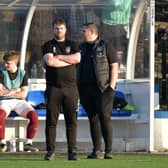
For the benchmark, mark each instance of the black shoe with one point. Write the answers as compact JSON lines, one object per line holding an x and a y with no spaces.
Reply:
{"x":96,"y":155}
{"x":30,"y":148}
{"x":72,"y":156}
{"x":3,"y":147}
{"x":49,"y":156}
{"x":108,"y":155}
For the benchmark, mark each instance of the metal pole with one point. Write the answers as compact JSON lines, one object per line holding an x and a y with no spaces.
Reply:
{"x":26,"y":33}
{"x":133,"y":40}
{"x":152,"y":63}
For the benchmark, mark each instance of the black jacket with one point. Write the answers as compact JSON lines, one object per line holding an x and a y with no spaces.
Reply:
{"x":101,"y":64}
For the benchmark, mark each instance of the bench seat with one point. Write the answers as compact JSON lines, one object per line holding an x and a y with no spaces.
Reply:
{"x":36,"y":98}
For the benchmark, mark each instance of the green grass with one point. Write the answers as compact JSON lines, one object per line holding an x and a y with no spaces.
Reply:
{"x":118,"y":161}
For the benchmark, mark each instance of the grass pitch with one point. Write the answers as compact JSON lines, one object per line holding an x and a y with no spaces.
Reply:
{"x":118,"y":161}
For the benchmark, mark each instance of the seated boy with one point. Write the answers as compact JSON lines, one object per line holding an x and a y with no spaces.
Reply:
{"x":13,"y":91}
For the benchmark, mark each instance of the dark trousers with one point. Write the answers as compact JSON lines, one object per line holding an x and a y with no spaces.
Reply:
{"x":99,"y":108}
{"x":57,"y":99}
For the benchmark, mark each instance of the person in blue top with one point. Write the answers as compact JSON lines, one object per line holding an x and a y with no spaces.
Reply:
{"x":13,"y":91}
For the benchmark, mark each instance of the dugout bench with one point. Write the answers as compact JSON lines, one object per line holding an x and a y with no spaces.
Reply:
{"x":36,"y":99}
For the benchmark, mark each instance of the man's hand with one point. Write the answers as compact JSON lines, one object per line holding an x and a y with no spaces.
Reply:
{"x":11,"y":92}
{"x":3,"y":90}
{"x":54,"y":61}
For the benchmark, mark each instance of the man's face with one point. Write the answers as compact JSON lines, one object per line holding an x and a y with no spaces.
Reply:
{"x":86,"y":34}
{"x":60,"y":31}
{"x":89,"y":35}
{"x":10,"y":65}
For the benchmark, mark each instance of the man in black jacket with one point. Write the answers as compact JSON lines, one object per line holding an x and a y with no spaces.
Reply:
{"x":61,"y":55}
{"x":98,"y":72}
